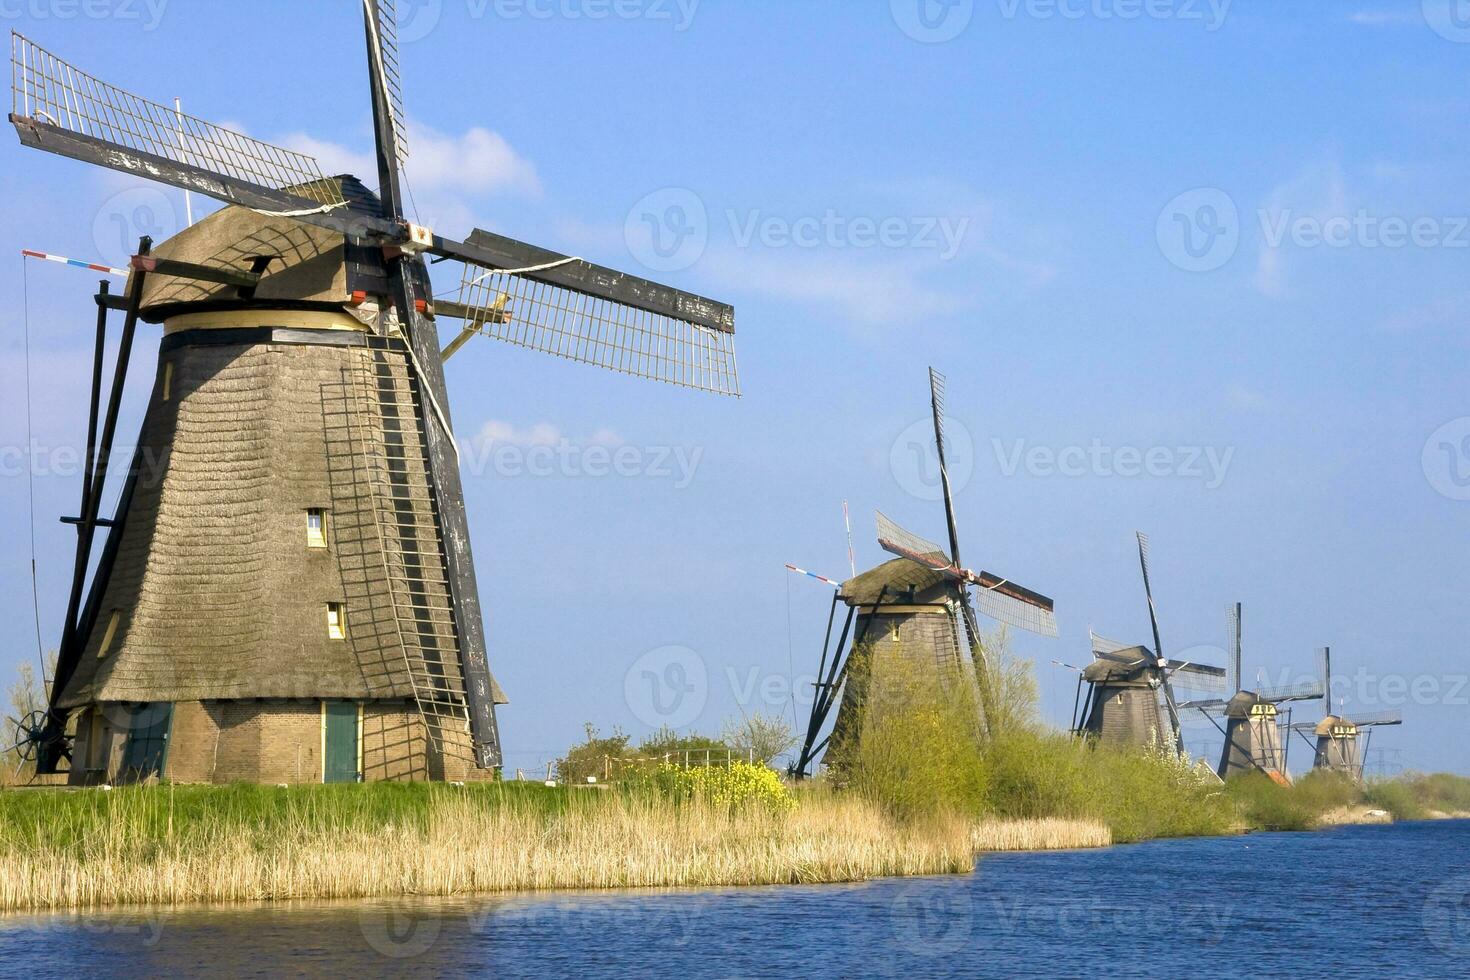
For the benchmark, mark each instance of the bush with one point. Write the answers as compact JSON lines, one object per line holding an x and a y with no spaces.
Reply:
{"x":1398,"y":797}
{"x":591,"y":758}
{"x":1439,"y":792}
{"x":918,"y":751}
{"x":691,"y":749}
{"x":1267,"y":805}
{"x":1138,"y":794}
{"x":736,"y":785}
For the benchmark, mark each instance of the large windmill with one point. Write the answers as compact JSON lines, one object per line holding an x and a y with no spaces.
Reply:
{"x":922,"y":603}
{"x":1340,"y":744}
{"x":287,"y":591}
{"x":1130,"y":696}
{"x":1252,"y":726}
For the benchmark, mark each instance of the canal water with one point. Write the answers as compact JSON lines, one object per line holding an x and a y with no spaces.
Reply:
{"x":1356,"y":902}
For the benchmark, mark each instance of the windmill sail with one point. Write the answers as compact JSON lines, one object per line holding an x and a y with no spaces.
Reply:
{"x":1102,"y":646}
{"x":59,"y":108}
{"x":560,"y":305}
{"x":904,"y":543}
{"x":1196,"y":677}
{"x":1302,"y":691}
{"x":1377,"y":719}
{"x":385,"y":20}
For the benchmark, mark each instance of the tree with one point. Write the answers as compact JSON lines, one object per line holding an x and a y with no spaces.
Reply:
{"x":760,"y":738}
{"x":26,"y":695}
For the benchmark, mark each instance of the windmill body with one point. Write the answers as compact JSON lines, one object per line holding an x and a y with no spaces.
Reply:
{"x":900,"y":610}
{"x":922,"y":606}
{"x":1130,"y":696}
{"x":279,"y":560}
{"x":286,"y":591}
{"x":1339,"y":741}
{"x":1338,"y":747}
{"x":1252,"y":738}
{"x":1252,"y":719}
{"x":1123,"y":701}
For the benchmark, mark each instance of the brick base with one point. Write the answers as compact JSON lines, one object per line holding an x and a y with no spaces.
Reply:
{"x":270,"y":742}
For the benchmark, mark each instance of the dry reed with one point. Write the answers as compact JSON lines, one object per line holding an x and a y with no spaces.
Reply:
{"x":1040,"y":835}
{"x":468,"y":844}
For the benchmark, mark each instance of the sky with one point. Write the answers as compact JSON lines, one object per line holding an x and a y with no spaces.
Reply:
{"x":1194,"y":269}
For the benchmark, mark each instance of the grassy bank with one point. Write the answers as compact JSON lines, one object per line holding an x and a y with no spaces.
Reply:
{"x":148,"y":845}
{"x":1323,"y":799}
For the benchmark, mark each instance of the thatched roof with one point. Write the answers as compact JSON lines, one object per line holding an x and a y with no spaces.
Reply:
{"x":314,"y":266}
{"x":1136,"y":670}
{"x":902,"y":577}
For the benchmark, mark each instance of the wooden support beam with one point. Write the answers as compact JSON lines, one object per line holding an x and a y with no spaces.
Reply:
{"x":190,"y":270}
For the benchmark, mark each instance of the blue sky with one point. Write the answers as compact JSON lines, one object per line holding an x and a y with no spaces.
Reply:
{"x":1192,"y":269}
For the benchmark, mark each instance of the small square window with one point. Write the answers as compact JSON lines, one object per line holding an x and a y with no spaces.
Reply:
{"x":168,"y":381}
{"x":336,"y":621}
{"x":108,"y":637}
{"x":316,"y":528}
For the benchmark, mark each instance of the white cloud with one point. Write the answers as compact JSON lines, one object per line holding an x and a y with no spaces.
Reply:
{"x":476,"y":161}
{"x":1386,"y":18}
{"x":501,"y":433}
{"x":498,"y":433}
{"x":1319,"y":191}
{"x":865,"y":292}
{"x":1247,"y":399}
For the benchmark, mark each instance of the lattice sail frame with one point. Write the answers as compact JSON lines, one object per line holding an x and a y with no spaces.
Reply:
{"x":557,"y":320}
{"x":386,"y":18}
{"x":48,"y":90}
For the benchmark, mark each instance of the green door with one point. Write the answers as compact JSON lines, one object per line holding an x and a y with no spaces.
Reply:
{"x":146,"y":748}
{"x":340,"y":738}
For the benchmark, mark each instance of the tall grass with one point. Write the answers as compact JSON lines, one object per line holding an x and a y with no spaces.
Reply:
{"x":225,"y":844}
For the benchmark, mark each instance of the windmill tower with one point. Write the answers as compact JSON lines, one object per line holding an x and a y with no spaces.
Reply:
{"x":1340,"y":744}
{"x":1252,"y":726}
{"x":1130,"y":698}
{"x":920,"y":604}
{"x":286,"y":591}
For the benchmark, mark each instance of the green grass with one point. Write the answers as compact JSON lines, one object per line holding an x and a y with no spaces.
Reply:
{"x":58,"y":818}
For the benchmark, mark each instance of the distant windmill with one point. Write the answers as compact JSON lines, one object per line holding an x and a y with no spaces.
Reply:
{"x":917,"y":603}
{"x":1340,"y":745}
{"x":1130,"y":699}
{"x":1252,"y":718}
{"x":292,"y":595}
